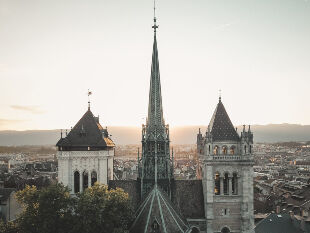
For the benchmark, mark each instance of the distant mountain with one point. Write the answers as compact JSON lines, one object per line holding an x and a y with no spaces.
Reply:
{"x":178,"y":135}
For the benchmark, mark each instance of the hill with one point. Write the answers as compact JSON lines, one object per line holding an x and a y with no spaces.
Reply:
{"x":178,"y":135}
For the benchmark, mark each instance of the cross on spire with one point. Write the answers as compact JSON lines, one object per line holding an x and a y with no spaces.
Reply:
{"x":220,"y":95}
{"x":155,"y":26}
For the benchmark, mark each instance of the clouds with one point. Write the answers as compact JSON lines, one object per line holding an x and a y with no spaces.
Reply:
{"x":6,"y":124}
{"x":29,"y":108}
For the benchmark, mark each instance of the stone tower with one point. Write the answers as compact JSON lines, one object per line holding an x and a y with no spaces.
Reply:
{"x":155,"y":136}
{"x":227,"y":169}
{"x":85,"y":155}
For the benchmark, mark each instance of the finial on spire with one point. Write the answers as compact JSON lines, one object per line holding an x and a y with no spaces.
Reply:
{"x":220,"y":95}
{"x":155,"y":26}
{"x":88,"y":94}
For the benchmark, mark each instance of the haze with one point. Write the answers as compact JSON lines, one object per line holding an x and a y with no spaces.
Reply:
{"x":256,"y":51}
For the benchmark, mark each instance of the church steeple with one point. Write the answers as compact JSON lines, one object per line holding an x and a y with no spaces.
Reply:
{"x":155,"y":110}
{"x":155,"y":166}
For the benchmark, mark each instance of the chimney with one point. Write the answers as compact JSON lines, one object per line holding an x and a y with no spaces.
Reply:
{"x":278,"y":210}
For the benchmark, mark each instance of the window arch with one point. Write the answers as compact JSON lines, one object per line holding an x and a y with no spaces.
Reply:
{"x":226,"y":184}
{"x":93,"y":177}
{"x":234,"y":185}
{"x":225,"y":230}
{"x":216,"y":150}
{"x":76,"y":182}
{"x":195,"y":230}
{"x":224,"y":150}
{"x":217,"y":184}
{"x":232,"y":150}
{"x":85,"y":180}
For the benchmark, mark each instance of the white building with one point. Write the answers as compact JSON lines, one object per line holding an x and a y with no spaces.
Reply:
{"x":85,"y":155}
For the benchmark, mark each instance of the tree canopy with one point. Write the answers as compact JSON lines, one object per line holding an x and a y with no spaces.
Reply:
{"x":54,"y":210}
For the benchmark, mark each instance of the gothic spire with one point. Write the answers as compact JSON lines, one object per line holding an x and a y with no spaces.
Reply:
{"x":155,"y":111}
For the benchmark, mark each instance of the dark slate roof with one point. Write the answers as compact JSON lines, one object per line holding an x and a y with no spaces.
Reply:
{"x":187,"y":196}
{"x":157,"y":209}
{"x":220,"y":125}
{"x":87,"y":132}
{"x":5,"y":193}
{"x":280,"y":223}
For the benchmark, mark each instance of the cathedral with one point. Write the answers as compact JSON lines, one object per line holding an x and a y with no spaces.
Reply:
{"x":220,"y":202}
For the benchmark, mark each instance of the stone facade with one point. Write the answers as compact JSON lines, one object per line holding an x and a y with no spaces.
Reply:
{"x":85,"y":162}
{"x":227,"y":175}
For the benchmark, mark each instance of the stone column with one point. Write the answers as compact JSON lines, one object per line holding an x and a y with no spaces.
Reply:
{"x":89,"y":179}
{"x":230,"y":185}
{"x":221,"y":186}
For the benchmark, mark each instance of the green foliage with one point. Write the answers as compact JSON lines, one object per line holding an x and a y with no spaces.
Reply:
{"x":46,"y":210}
{"x":53,"y":209}
{"x":103,"y":211}
{"x":8,"y":227}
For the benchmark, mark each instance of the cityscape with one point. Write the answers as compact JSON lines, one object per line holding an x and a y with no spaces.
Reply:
{"x":203,"y":123}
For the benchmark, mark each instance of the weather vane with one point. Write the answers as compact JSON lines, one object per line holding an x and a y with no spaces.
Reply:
{"x":88,"y":94}
{"x":220,"y":94}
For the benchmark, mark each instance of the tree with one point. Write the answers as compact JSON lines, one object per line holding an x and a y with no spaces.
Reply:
{"x":54,"y":210}
{"x":8,"y":227}
{"x":47,"y":210}
{"x":103,"y":211}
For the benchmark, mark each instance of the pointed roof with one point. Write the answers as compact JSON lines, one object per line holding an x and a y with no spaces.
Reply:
{"x":88,"y":132}
{"x":155,"y":109}
{"x":220,"y":125}
{"x":157,"y":211}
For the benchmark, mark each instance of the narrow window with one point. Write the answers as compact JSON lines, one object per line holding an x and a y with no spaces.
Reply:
{"x":217,"y":184}
{"x":234,"y":184}
{"x":76,"y":182}
{"x":232,"y":150}
{"x":93,"y":178}
{"x":226,"y":184}
{"x":85,"y":180}
{"x":216,"y":150}
{"x":224,"y":150}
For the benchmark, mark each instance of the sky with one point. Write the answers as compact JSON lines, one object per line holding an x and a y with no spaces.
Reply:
{"x":257,"y":52}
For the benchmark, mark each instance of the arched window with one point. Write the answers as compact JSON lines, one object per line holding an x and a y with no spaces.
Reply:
{"x":209,"y":149}
{"x":244,"y":149}
{"x":224,"y":150}
{"x":195,"y":230}
{"x":250,"y":149}
{"x":234,"y":184}
{"x":93,"y":177}
{"x":226,"y":184}
{"x":225,"y":230}
{"x":85,"y":180}
{"x":155,"y":227}
{"x":216,"y":150}
{"x":232,"y":150}
{"x":76,"y":182}
{"x":217,"y":184}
